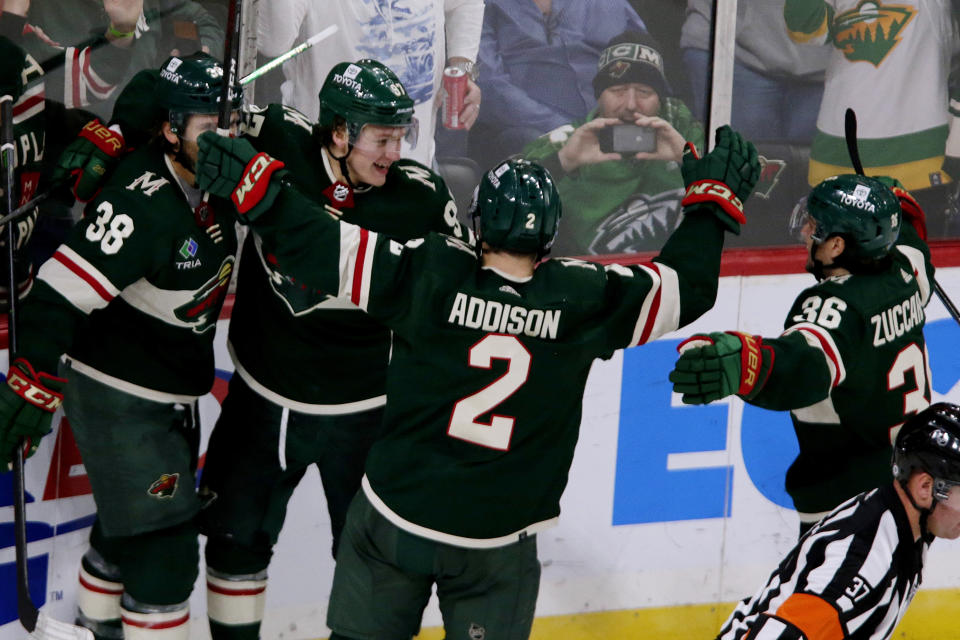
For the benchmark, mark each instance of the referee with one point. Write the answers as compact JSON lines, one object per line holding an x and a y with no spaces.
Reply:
{"x":856,"y":571}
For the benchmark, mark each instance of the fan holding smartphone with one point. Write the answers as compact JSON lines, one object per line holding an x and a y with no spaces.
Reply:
{"x":618,"y":171}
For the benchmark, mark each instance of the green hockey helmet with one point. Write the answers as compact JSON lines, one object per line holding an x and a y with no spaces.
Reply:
{"x":366,"y":92}
{"x":862,"y":209}
{"x":192,"y":84}
{"x":930,"y":441}
{"x":516,"y":207}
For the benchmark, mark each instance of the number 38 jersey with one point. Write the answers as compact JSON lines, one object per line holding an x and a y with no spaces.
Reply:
{"x":853,"y":357}
{"x":487,"y":374}
{"x":134,"y":293}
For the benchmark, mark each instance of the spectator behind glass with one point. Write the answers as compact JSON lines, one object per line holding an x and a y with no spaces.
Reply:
{"x":538,"y":59}
{"x":615,"y":203}
{"x":165,"y":28}
{"x":890,"y":63}
{"x":415,"y":38}
{"x":777,"y":84}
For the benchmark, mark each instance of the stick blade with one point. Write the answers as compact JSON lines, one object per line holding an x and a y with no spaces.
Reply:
{"x":50,"y":629}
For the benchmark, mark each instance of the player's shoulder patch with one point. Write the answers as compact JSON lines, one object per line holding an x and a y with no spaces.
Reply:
{"x":412,"y":177}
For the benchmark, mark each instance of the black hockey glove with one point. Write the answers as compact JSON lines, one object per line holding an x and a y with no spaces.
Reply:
{"x":232,"y":168}
{"x":26,"y":402}
{"x":716,"y":365}
{"x":725,"y":176}
{"x":90,"y":157}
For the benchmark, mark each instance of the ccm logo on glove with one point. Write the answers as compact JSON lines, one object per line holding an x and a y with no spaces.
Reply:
{"x":717,"y":192}
{"x":256,"y":179}
{"x":32,"y":392}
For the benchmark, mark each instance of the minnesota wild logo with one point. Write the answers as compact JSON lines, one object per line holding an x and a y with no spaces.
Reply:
{"x":204,"y":307}
{"x":871,"y":30}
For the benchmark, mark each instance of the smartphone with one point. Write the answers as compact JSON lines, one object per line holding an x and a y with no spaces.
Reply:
{"x":627,"y":138}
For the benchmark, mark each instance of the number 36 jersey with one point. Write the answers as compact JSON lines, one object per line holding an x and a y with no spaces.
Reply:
{"x":852,"y":365}
{"x":487,"y":374}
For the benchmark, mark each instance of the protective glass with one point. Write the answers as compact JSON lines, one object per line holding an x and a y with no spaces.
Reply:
{"x":947,"y":493}
{"x":378,"y":138}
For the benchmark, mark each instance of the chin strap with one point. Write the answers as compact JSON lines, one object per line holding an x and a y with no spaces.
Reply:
{"x":342,"y":161}
{"x":924,"y":511}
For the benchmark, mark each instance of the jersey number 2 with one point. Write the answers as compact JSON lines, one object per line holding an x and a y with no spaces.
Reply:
{"x":463,"y":421}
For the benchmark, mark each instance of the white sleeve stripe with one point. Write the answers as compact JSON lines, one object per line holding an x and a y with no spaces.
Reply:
{"x":366,"y":269}
{"x":89,"y":270}
{"x":100,"y":88}
{"x":820,"y":339}
{"x":349,"y":240}
{"x":915,"y":256}
{"x":71,"y":286}
{"x":660,"y":313}
{"x":648,"y":302}
{"x":74,"y":94}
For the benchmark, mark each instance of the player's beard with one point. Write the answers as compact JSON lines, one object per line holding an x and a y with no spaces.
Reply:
{"x":184,"y":159}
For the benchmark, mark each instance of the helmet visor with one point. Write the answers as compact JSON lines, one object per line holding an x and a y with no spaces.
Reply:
{"x":379,"y":138}
{"x":802,"y":224}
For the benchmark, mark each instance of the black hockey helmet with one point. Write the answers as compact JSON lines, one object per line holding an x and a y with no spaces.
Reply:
{"x":930,"y":441}
{"x":366,"y":92}
{"x":192,"y":84}
{"x":516,"y":207}
{"x":861,"y":209}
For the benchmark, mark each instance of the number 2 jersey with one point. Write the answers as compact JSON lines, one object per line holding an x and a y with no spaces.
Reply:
{"x":852,"y":365}
{"x":297,"y":346}
{"x":487,"y":374}
{"x":133,"y":294}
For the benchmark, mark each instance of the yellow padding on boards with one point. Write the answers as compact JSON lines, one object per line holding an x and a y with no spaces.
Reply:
{"x":931,"y":616}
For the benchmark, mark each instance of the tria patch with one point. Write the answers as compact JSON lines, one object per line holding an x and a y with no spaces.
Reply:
{"x":189,"y":248}
{"x":871,"y":30}
{"x":340,"y":195}
{"x":165,"y":486}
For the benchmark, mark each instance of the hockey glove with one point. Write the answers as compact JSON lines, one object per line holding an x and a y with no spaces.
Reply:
{"x":716,"y":365}
{"x":90,"y":158}
{"x":232,"y":168}
{"x":725,"y":176}
{"x":11,"y":71}
{"x":912,"y":213}
{"x":26,"y":404}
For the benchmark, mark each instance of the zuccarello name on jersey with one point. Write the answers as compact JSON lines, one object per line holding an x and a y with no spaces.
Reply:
{"x":490,"y":315}
{"x":893,"y":322}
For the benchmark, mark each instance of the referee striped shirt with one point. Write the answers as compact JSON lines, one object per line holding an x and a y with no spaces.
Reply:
{"x":852,"y":576}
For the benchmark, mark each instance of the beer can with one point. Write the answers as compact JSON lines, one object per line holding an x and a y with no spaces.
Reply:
{"x":454,"y":91}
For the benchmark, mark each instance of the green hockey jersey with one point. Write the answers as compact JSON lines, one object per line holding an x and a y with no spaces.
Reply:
{"x":488,"y":371}
{"x":852,"y":365}
{"x":134,"y":293}
{"x":301,"y":348}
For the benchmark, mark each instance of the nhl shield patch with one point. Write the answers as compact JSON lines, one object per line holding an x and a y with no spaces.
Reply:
{"x":165,"y":486}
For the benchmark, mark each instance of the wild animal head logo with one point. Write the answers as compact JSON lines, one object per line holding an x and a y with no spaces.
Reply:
{"x":165,"y":486}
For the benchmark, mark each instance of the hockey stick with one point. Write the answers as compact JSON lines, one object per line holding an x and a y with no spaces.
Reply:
{"x":231,"y":51}
{"x":38,"y":624}
{"x":850,"y":132}
{"x":283,"y":57}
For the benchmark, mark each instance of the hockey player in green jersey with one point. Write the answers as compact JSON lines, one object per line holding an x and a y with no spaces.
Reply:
{"x":276,"y":420}
{"x":131,"y":299}
{"x":491,"y":353}
{"x":851,"y":364}
{"x":309,"y":385}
